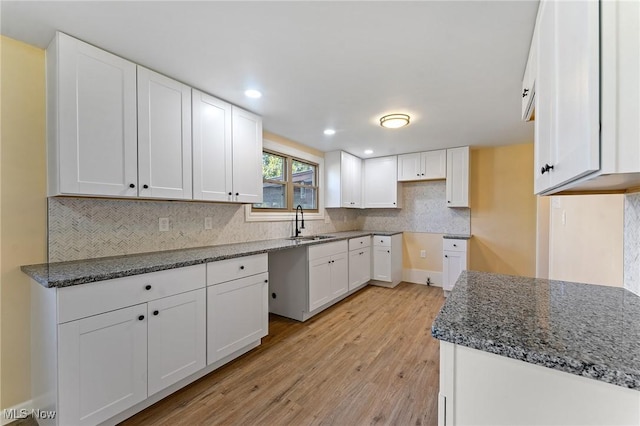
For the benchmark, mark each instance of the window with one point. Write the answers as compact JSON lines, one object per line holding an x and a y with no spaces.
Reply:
{"x":287,"y":182}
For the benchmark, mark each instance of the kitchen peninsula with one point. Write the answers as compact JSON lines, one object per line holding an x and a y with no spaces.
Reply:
{"x":518,"y":351}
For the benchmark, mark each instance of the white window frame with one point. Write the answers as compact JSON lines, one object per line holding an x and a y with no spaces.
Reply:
{"x":271,"y":216}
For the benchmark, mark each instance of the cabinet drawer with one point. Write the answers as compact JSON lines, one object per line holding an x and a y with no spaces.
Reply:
{"x":358,"y":243}
{"x":90,"y":299}
{"x":454,"y":245}
{"x":382,"y":241}
{"x":327,"y":249}
{"x":239,"y":267}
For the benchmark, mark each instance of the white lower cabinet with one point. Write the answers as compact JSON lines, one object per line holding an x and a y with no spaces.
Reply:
{"x":454,"y":261}
{"x":328,"y":279}
{"x":176,"y":338}
{"x":359,"y":262}
{"x":103,"y":351}
{"x":238,"y":315}
{"x":387,"y":260}
{"x":102,"y":366}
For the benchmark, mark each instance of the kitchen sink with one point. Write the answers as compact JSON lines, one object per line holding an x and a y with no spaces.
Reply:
{"x":311,"y":238}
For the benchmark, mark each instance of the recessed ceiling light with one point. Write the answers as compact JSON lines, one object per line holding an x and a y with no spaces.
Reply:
{"x":368,"y":151}
{"x":252,"y":93}
{"x":329,"y":132}
{"x":394,"y":121}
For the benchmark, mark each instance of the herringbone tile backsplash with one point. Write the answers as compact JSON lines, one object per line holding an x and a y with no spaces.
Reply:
{"x":84,"y":228}
{"x":632,"y":243}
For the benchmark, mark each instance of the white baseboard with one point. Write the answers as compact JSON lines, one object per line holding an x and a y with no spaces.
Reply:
{"x":25,"y":407}
{"x":419,"y":276}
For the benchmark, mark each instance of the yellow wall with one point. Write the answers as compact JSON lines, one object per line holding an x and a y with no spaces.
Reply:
{"x":587,"y":246}
{"x":413,"y":242}
{"x":23,"y":201}
{"x":292,"y":144}
{"x":503,"y":210}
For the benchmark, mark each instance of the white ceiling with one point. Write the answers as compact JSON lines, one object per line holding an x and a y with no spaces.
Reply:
{"x":454,"y":66}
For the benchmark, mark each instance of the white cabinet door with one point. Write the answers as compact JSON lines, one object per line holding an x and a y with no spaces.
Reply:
{"x":339,"y":274}
{"x":91,"y":109}
{"x":381,"y":182}
{"x":247,"y":156}
{"x":176,"y":338}
{"x":434,"y":164}
{"x":454,"y":263}
{"x":382,"y":263}
{"x":576,"y":148}
{"x":319,"y":282}
{"x":359,"y":267}
{"x":238,"y":314}
{"x":350,"y":180}
{"x":529,"y":80}
{"x":568,"y":93}
{"x":102,"y":365}
{"x":212,"y":148}
{"x":545,"y":88}
{"x":164,"y":137}
{"x":457,"y":186}
{"x":409,"y":167}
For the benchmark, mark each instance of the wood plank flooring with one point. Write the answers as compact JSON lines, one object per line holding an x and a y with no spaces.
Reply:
{"x":370,"y":359}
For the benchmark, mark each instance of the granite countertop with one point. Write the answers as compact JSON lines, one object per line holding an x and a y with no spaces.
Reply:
{"x":588,"y":330}
{"x":456,"y":236}
{"x":64,"y":274}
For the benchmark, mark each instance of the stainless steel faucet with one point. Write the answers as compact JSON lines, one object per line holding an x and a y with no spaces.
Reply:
{"x":298,"y":231}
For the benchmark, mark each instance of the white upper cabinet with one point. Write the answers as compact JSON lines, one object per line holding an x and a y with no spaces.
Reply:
{"x":212,"y":148}
{"x":457,"y":187}
{"x":343,"y":180}
{"x":227,"y":151}
{"x":91,"y":121}
{"x":587,"y":97}
{"x":381,"y":188}
{"x":164,"y":137}
{"x":247,"y":156}
{"x":428,"y":165}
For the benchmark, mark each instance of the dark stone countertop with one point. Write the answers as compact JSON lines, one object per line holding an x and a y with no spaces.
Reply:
{"x":588,"y":330}
{"x":456,"y":237}
{"x":64,"y":274}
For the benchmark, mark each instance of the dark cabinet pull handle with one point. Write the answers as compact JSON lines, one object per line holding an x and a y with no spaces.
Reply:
{"x":131,"y":185}
{"x":241,"y":266}
{"x":156,"y":312}
{"x":145,"y":186}
{"x":141,"y":317}
{"x":266,"y":281}
{"x":230,"y":193}
{"x":147,"y":287}
{"x":417,"y":174}
{"x":448,"y":201}
{"x":237,"y":193}
{"x":423,"y":174}
{"x":455,"y":245}
{"x":525,"y":92}
{"x":446,"y":255}
{"x":394,"y":204}
{"x":388,"y":251}
{"x":361,"y":242}
{"x":546,"y":168}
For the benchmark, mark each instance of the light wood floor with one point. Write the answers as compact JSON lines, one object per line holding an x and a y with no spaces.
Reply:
{"x":368,"y":360}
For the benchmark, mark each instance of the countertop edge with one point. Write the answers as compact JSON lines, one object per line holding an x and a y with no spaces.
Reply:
{"x":36,"y":271}
{"x":600,"y":372}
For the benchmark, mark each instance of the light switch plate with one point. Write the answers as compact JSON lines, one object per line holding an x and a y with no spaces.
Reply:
{"x":423,"y":253}
{"x":163,"y":224}
{"x":208,"y":223}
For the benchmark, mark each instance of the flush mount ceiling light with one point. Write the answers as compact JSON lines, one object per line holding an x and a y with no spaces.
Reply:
{"x":394,"y":121}
{"x":329,"y":132}
{"x":368,"y":151}
{"x":252,"y":93}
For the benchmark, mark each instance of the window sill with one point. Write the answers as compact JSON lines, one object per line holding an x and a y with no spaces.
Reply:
{"x":251,"y":216}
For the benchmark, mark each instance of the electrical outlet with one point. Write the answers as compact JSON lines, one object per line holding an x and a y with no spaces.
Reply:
{"x":163,"y":224}
{"x":423,"y":253}
{"x":208,"y":223}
